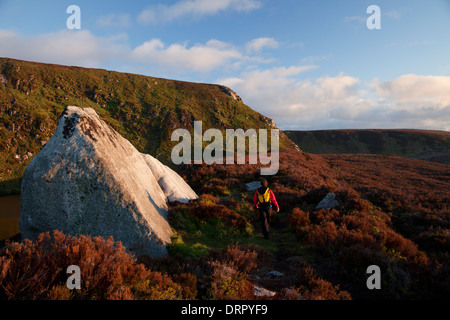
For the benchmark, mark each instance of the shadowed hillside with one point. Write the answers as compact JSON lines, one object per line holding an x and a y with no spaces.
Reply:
{"x":418,"y":144}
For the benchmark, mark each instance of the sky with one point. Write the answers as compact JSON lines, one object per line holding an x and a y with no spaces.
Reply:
{"x":307,"y":64}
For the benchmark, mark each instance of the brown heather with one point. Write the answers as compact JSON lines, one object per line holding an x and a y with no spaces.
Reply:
{"x":37,"y":270}
{"x":392,"y":212}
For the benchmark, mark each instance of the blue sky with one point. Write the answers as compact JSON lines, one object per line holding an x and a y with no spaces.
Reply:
{"x":306,"y":64}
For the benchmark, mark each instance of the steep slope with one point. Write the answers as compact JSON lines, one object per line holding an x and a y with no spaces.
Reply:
{"x":144,"y":110}
{"x":418,"y":144}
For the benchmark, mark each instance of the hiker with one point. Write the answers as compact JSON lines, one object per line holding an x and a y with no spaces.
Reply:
{"x":263,"y":200}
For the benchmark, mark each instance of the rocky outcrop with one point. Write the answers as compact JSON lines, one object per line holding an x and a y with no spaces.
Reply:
{"x":172,"y":184}
{"x":90,"y":180}
{"x":3,"y":79}
{"x":231,"y":93}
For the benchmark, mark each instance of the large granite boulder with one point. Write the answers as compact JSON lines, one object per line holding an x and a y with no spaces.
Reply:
{"x":89,"y":180}
{"x":172,"y":184}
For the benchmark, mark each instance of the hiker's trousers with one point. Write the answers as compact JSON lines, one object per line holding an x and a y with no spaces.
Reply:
{"x":264,"y":217}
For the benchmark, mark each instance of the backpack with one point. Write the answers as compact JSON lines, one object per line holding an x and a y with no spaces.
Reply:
{"x":264,"y":198}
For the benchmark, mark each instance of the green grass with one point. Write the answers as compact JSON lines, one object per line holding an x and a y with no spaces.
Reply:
{"x":194,"y":237}
{"x":189,"y":250}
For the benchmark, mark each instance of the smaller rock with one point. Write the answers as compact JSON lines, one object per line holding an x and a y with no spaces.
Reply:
{"x":262,"y":292}
{"x":328,"y":202}
{"x":275,"y":274}
{"x":253,"y":185}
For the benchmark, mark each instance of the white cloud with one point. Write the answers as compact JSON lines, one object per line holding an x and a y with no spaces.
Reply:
{"x":413,"y":87}
{"x":393,"y":14}
{"x":342,"y":101}
{"x":122,"y":20}
{"x":422,"y":101}
{"x":413,"y":44}
{"x":80,"y":48}
{"x":256,"y":45}
{"x":359,"y":19}
{"x":314,"y":59}
{"x":194,"y":8}
{"x":198,"y":58}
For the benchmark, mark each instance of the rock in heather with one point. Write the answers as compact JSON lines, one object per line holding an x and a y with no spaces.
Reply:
{"x":328,"y":202}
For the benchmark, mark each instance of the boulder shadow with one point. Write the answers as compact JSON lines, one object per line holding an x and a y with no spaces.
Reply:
{"x":162,"y":212}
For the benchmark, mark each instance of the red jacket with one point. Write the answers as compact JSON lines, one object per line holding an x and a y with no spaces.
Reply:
{"x":272,"y":199}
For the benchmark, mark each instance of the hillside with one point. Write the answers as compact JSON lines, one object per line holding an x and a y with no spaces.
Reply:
{"x":418,"y":144}
{"x":145,"y":110}
{"x":392,"y":212}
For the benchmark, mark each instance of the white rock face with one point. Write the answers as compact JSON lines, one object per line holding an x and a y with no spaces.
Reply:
{"x":173,"y":185}
{"x":90,"y":180}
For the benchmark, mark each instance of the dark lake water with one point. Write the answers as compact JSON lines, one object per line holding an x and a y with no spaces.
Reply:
{"x":9,"y":216}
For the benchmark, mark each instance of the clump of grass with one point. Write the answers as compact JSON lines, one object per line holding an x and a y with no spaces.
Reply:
{"x":194,"y":250}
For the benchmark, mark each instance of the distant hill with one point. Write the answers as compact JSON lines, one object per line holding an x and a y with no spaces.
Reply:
{"x":418,"y":144}
{"x":144,"y":110}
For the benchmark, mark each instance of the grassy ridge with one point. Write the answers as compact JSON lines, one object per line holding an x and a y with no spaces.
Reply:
{"x":145,"y":110}
{"x":419,"y":144}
